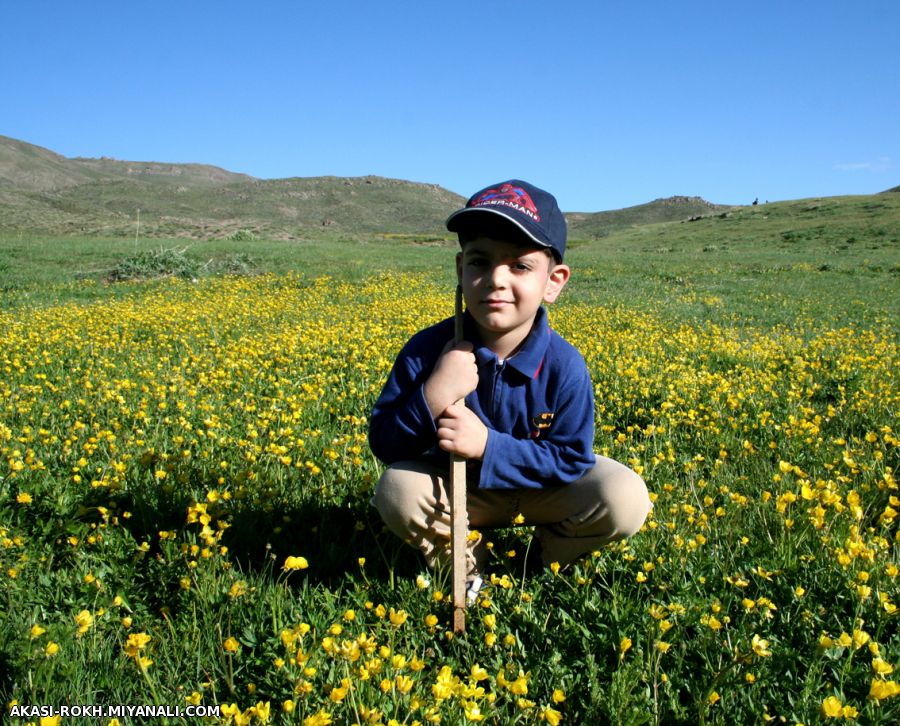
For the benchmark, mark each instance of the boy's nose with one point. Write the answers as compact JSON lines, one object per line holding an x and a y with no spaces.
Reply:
{"x":498,"y":276}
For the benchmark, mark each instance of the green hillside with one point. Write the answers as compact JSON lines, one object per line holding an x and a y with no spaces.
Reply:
{"x":672,"y":209}
{"x":43,"y":192}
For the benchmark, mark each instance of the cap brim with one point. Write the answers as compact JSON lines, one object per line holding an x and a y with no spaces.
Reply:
{"x":468,"y":217}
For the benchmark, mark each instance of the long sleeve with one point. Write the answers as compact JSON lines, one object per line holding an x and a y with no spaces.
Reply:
{"x":401,"y":426}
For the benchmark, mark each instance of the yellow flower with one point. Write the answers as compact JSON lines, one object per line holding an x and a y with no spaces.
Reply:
{"x":551,"y":716}
{"x":849,"y":712}
{"x":262,"y":711}
{"x":51,"y":649}
{"x":23,"y":498}
{"x":881,"y":666}
{"x":662,"y":646}
{"x":558,"y":696}
{"x":397,"y":617}
{"x":519,"y":687}
{"x":445,"y":683}
{"x":321,"y":718}
{"x":760,"y":646}
{"x":84,"y":620}
{"x":713,"y":698}
{"x":231,"y":645}
{"x":339,"y":693}
{"x":860,"y":638}
{"x":624,"y":646}
{"x":136,"y":642}
{"x":295,"y":563}
{"x":36,"y":631}
{"x":712,"y":622}
{"x":472,"y":711}
{"x":879,"y":690}
{"x":832,"y":707}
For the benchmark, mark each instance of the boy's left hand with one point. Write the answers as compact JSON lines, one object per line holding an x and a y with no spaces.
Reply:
{"x":461,"y":432}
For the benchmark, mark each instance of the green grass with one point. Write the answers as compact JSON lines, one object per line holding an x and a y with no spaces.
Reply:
{"x":764,"y":264}
{"x":746,"y":364}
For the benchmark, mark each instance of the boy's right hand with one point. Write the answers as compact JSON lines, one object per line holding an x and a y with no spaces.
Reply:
{"x":454,"y":377}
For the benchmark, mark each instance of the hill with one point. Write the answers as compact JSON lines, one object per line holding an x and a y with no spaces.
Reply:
{"x":672,"y":209}
{"x":46,"y":193}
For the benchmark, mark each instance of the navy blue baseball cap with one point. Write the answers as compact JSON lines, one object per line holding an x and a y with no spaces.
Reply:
{"x":532,"y":211}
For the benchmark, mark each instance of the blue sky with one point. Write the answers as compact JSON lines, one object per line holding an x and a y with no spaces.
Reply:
{"x":605,"y":104}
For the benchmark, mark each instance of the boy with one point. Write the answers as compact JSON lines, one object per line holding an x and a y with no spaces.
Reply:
{"x":527,"y":428}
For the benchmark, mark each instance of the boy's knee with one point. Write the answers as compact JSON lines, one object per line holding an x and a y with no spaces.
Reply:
{"x":622,"y":496}
{"x":628,"y":502}
{"x":390,"y":496}
{"x":403,"y":492}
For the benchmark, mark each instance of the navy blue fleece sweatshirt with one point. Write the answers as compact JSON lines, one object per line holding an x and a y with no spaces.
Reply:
{"x":538,"y":407}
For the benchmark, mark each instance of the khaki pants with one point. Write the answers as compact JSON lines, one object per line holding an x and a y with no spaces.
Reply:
{"x":608,"y":503}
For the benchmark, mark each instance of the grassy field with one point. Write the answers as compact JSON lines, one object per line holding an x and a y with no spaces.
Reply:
{"x":184,"y":482}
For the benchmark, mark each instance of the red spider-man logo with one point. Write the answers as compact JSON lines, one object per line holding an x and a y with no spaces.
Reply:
{"x":507,"y":195}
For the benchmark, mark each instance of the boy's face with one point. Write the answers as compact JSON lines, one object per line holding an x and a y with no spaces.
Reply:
{"x":504,"y":284}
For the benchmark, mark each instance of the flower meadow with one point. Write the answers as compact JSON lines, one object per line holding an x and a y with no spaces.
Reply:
{"x":184,"y":519}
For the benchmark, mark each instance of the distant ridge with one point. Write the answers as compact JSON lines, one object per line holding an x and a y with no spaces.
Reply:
{"x":33,"y":168}
{"x":44,"y":192}
{"x":670,"y":209}
{"x":894,"y":189}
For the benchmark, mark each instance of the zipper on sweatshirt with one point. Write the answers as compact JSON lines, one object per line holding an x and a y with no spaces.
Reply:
{"x":497,"y":390}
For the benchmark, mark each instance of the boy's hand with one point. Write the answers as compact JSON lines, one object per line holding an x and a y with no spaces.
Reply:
{"x":454,"y":377}
{"x":461,"y":432}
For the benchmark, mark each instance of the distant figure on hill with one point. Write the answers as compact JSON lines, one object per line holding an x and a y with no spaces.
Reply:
{"x":756,"y":201}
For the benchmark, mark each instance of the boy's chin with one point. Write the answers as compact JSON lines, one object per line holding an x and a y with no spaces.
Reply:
{"x":494,"y":326}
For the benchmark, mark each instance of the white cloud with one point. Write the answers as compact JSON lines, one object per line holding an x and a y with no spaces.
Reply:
{"x":883,"y":163}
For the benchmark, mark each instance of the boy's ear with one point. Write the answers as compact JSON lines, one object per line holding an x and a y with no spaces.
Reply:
{"x":459,"y":256}
{"x":557,"y":280}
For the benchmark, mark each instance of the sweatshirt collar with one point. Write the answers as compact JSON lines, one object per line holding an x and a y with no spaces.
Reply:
{"x":530,"y":356}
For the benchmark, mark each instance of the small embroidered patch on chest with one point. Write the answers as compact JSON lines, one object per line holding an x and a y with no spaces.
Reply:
{"x":541,"y":422}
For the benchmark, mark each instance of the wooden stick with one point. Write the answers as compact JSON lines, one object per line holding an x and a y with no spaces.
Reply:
{"x":458,"y":515}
